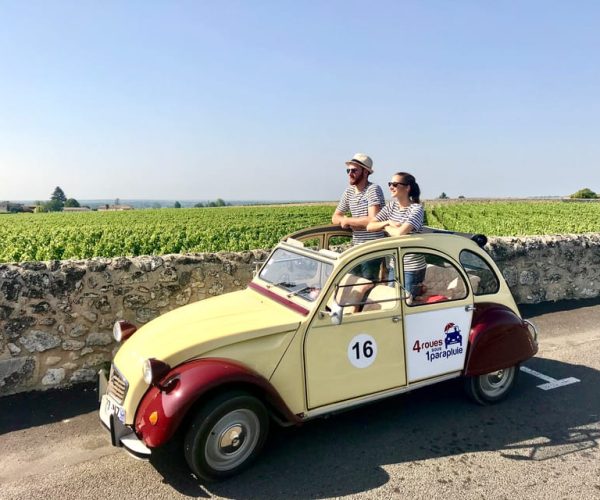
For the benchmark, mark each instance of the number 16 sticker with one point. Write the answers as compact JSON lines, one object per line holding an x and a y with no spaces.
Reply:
{"x":362,"y":350}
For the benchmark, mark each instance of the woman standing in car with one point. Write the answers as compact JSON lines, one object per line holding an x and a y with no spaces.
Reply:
{"x":404,"y":215}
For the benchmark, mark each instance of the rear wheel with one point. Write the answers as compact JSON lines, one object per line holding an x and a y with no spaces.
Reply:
{"x":492,"y":387}
{"x":226,"y":435}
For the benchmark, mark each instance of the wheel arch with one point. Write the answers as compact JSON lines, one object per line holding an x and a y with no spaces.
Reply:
{"x":186,"y":387}
{"x":274,"y":411}
{"x":498,"y":339}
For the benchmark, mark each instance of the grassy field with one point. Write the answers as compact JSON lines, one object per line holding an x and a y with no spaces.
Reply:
{"x":50,"y":236}
{"x":25,"y":237}
{"x":516,"y":218}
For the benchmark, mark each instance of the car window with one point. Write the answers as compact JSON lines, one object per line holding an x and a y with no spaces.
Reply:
{"x":300,"y":275}
{"x":338,"y":243}
{"x":483,"y":279}
{"x":431,"y":278}
{"x":312,"y":243}
{"x":371,"y":285}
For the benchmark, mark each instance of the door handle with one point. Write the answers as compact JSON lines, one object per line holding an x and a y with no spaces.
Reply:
{"x":396,"y":319}
{"x":469,"y":307}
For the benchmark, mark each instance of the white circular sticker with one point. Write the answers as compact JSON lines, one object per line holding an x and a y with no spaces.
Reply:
{"x":362,"y":350}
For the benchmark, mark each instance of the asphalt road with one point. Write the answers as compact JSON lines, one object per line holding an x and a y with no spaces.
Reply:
{"x":430,"y":443}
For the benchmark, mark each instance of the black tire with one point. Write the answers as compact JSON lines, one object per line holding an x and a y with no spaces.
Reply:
{"x":226,"y":435}
{"x":492,"y":387}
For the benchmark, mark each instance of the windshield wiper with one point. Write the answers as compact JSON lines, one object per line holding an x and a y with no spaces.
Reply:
{"x":285,"y":284}
{"x":297,"y":292}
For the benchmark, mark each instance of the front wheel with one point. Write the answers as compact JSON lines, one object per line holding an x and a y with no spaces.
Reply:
{"x":492,"y":387}
{"x":226,"y":435}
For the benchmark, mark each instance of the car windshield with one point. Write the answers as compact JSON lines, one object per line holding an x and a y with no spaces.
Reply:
{"x":298,"y":274}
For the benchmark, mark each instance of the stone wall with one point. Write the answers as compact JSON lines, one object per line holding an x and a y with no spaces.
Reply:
{"x":56,"y":317}
{"x":549,"y":268}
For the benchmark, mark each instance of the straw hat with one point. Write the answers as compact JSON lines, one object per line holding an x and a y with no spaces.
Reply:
{"x":362,"y":160}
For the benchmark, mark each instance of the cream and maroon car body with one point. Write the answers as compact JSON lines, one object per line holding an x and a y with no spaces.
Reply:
{"x":293,"y":346}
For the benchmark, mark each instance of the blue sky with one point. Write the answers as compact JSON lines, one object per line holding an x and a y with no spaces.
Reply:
{"x":266,"y":100}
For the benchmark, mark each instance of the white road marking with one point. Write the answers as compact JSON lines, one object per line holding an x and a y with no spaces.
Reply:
{"x":551,"y":383}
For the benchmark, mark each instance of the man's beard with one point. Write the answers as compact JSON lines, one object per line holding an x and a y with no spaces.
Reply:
{"x":356,"y":179}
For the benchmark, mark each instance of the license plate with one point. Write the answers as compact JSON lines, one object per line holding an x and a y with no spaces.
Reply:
{"x":113,"y":408}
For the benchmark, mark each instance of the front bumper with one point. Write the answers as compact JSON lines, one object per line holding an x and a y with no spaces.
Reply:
{"x":121,"y":435}
{"x":532,"y":330}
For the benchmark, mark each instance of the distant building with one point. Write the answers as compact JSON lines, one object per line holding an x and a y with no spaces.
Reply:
{"x":109,"y":208}
{"x":7,"y":207}
{"x":77,"y":209}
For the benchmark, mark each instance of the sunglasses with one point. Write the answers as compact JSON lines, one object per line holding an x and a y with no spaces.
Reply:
{"x":396,"y":184}
{"x":352,"y":171}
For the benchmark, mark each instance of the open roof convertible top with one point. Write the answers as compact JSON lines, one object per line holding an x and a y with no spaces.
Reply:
{"x":326,"y":231}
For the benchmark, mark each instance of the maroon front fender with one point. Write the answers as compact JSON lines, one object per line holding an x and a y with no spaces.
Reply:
{"x":498,"y":339}
{"x":184,"y":385}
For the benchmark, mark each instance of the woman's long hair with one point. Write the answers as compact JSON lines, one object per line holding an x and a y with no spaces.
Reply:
{"x":414,"y":193}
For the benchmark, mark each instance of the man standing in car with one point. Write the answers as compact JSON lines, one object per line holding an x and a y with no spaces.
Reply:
{"x":362,"y":199}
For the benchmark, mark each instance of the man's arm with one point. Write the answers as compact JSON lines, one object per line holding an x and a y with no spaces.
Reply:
{"x":355,"y":222}
{"x":337,"y":217}
{"x":340,"y":212}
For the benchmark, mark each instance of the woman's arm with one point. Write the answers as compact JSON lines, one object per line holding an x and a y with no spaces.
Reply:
{"x":376,"y":225}
{"x":378,"y":218}
{"x":415,"y":216}
{"x":405,"y":228}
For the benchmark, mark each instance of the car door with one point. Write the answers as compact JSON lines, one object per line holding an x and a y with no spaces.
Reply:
{"x":365,"y":353}
{"x":437,"y":319}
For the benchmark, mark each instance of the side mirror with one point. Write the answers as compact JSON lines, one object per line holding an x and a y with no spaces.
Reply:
{"x":336,"y":314}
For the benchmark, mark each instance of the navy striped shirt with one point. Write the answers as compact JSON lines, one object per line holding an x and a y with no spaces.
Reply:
{"x":414,"y":215}
{"x":358,"y":203}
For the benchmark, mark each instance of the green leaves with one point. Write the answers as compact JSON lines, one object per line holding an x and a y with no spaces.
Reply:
{"x":151,"y":232}
{"x":516,"y":218}
{"x":82,"y":235}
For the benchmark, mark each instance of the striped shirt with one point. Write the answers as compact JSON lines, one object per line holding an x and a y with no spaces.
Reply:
{"x":358,"y":203}
{"x":414,"y":215}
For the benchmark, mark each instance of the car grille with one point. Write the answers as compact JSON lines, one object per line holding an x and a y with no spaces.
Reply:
{"x":117,"y":385}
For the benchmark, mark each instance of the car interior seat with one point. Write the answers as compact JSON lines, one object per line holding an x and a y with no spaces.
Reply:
{"x":378,"y":294}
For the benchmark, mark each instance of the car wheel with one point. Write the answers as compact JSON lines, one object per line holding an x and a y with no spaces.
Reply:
{"x":492,"y":387}
{"x":226,"y":435}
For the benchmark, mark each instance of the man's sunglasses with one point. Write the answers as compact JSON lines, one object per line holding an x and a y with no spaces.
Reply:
{"x":352,"y":171}
{"x":396,"y":184}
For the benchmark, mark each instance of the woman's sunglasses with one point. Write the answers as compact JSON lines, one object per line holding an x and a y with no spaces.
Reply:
{"x":396,"y":184}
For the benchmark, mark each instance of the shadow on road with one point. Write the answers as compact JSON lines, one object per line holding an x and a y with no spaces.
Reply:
{"x":531,"y":311}
{"x":30,"y":409}
{"x":347,"y":454}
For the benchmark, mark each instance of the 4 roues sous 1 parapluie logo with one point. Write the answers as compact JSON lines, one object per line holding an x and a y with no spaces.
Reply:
{"x":440,"y":348}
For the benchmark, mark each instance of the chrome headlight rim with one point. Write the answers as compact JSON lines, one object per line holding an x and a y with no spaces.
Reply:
{"x":153,"y":370}
{"x":147,"y":371}
{"x":122,"y":330}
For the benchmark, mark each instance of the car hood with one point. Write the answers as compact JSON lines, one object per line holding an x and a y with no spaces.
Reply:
{"x":190,"y":331}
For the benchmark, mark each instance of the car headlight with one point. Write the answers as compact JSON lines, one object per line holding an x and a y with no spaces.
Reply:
{"x":153,"y":370}
{"x":122,"y":330}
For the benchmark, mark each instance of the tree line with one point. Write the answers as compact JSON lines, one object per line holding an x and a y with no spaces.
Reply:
{"x":58,"y":201}
{"x":585,"y":193}
{"x":208,"y":204}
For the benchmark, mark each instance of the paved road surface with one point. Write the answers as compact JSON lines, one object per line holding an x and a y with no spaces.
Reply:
{"x":430,"y":443}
